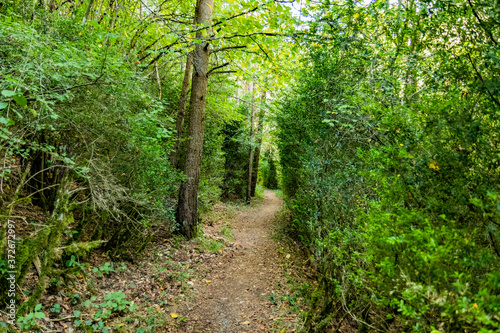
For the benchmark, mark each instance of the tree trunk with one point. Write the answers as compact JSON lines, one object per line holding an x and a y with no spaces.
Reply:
{"x":181,"y":113}
{"x":87,"y":12}
{"x":250,"y":160}
{"x":98,"y":15}
{"x":158,"y":80}
{"x":187,"y":215}
{"x":258,"y":134}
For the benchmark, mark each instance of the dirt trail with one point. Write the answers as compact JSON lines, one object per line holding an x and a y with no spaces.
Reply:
{"x":237,"y":298}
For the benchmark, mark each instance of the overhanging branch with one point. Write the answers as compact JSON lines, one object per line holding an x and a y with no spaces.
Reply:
{"x":217,"y":67}
{"x":228,"y":48}
{"x":223,"y":72}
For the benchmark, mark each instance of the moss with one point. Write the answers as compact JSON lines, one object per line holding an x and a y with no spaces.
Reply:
{"x":56,"y":224}
{"x":81,"y":249}
{"x":28,"y":250}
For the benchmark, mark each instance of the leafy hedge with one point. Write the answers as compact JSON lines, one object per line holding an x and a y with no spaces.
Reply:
{"x":390,"y":152}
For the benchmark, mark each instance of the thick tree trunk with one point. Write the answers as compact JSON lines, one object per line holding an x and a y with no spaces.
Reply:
{"x":258,"y":134}
{"x":250,"y":160}
{"x":181,"y":113}
{"x":187,"y":215}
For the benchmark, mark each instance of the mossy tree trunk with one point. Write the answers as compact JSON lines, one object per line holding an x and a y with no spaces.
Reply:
{"x":48,"y":240}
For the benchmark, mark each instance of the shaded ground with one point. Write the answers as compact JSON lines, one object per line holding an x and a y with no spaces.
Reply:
{"x":213,"y":283}
{"x":237,"y":292}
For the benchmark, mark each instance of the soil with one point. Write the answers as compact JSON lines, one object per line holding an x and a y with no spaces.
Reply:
{"x":236,"y":294}
{"x":213,"y":283}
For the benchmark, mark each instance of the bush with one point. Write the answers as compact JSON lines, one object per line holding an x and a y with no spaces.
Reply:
{"x":393,"y":190}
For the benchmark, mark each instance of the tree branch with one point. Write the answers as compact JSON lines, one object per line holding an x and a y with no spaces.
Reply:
{"x":228,"y":48}
{"x":217,"y":67}
{"x":248,"y":35}
{"x":70,"y":88}
{"x":262,"y":49}
{"x":223,"y":72}
{"x":481,"y":78}
{"x":223,"y":20}
{"x":481,"y":23}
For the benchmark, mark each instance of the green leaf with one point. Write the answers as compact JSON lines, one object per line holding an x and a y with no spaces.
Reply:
{"x":77,"y":313}
{"x":3,"y":105}
{"x":8,"y":93}
{"x":20,"y":99}
{"x":39,"y":315}
{"x":6,"y":121}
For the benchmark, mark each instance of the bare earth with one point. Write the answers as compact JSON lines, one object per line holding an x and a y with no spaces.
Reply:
{"x":238,"y":297}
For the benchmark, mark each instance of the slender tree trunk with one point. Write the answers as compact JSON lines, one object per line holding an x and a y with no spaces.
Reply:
{"x":250,"y":160}
{"x":181,"y":113}
{"x":98,"y":15}
{"x":87,"y":12}
{"x":187,"y":214}
{"x":114,"y":17}
{"x":52,"y":5}
{"x":258,"y":134}
{"x":158,"y":81}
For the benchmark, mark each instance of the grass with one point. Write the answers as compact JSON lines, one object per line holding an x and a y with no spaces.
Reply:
{"x":279,"y":193}
{"x":227,"y":233}
{"x":259,"y":191}
{"x":212,"y":245}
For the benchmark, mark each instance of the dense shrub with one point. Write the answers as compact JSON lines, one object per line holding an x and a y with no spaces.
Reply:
{"x":85,"y":138}
{"x":391,"y":170}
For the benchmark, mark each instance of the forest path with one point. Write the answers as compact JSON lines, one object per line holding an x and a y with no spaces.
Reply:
{"x":238,"y":297}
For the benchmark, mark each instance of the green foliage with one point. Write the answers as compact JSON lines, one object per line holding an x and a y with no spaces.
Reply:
{"x":210,"y":244}
{"x":108,"y":268}
{"x":389,"y":149}
{"x":72,"y":262}
{"x":30,"y":320}
{"x":80,"y":103}
{"x":268,"y":172}
{"x":81,"y":249}
{"x":114,"y":303}
{"x":227,"y":232}
{"x":56,"y":308}
{"x":236,"y":158}
{"x":212,"y":166}
{"x":73,"y":106}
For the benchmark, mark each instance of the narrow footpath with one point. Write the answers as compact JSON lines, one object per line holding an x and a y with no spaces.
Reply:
{"x":237,"y":298}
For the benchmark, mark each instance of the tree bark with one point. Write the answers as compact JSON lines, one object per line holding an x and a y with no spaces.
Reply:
{"x":258,"y":134}
{"x":158,"y":81}
{"x":187,"y":214}
{"x":250,"y":160}
{"x":98,"y":15}
{"x":181,"y":113}
{"x":87,"y":12}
